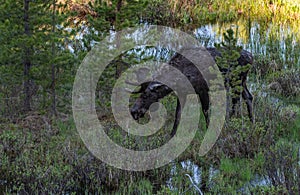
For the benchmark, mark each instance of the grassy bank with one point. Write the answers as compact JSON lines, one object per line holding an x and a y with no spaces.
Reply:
{"x":39,"y":159}
{"x":276,"y":11}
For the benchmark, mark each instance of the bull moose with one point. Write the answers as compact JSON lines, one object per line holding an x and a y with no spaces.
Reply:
{"x":153,"y":91}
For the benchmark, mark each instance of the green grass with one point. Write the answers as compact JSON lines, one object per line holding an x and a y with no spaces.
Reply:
{"x":36,"y":159}
{"x":261,"y":10}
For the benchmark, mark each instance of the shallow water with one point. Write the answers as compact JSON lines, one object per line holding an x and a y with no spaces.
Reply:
{"x":195,"y":180}
{"x":278,"y":42}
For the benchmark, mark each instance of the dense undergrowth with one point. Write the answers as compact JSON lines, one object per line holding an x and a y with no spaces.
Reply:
{"x":38,"y":159}
{"x":43,"y":154}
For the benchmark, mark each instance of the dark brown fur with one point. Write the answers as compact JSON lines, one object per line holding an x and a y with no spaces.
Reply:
{"x":153,"y":91}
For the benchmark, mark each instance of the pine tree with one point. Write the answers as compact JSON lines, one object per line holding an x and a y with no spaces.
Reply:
{"x":32,"y":42}
{"x":229,"y":65}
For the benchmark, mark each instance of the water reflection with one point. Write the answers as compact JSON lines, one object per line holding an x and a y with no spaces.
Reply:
{"x":278,"y":43}
{"x":195,"y":175}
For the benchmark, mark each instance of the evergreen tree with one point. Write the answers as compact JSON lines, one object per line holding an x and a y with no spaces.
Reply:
{"x":32,"y":42}
{"x":229,"y":65}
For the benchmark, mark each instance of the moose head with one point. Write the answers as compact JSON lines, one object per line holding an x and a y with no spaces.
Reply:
{"x":150,"y":93}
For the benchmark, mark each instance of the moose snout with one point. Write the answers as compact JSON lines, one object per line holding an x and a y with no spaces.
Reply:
{"x":134,"y":113}
{"x":137,"y":112}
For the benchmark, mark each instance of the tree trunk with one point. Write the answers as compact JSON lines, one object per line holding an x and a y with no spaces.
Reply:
{"x":27,"y":62}
{"x":53,"y":76}
{"x":118,"y":37}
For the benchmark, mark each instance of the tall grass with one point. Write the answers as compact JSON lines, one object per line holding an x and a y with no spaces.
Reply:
{"x":262,"y":10}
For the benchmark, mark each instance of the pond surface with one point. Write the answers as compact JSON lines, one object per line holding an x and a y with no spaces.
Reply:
{"x":278,"y":42}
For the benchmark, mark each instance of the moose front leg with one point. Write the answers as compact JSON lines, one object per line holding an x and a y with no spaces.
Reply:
{"x":177,"y":116}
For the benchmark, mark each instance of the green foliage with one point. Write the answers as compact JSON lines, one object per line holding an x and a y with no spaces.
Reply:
{"x":33,"y":161}
{"x":115,"y":14}
{"x":42,"y":46}
{"x":165,"y":190}
{"x":51,"y":158}
{"x":244,"y":140}
{"x":269,"y":190}
{"x":233,"y":175}
{"x":207,"y":11}
{"x":230,"y":54}
{"x":140,"y":187}
{"x":282,"y":165}
{"x":289,"y":81}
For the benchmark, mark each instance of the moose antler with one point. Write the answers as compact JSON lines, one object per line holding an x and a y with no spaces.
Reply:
{"x":141,"y":74}
{"x":142,"y":88}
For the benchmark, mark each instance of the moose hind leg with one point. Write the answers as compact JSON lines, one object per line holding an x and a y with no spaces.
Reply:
{"x":234,"y":100}
{"x":204,"y":98}
{"x":247,"y":96}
